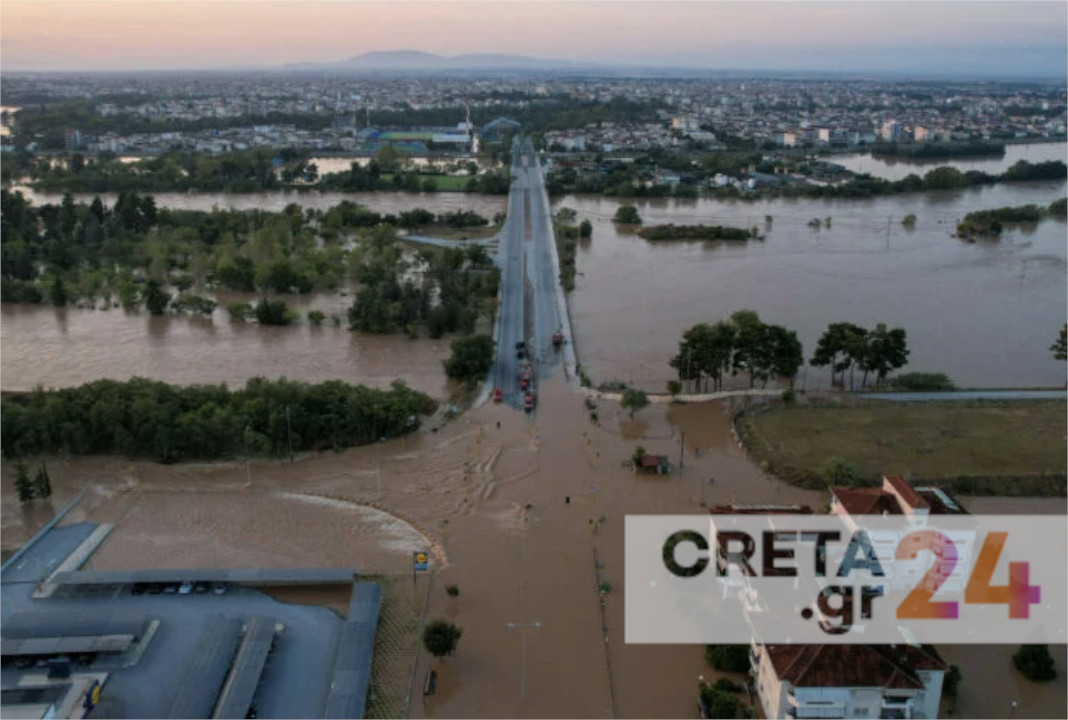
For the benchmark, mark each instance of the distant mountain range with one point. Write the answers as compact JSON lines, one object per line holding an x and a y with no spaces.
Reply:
{"x":416,"y":61}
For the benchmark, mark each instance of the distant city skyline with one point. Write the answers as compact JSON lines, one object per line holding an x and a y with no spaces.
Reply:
{"x":1018,"y":39}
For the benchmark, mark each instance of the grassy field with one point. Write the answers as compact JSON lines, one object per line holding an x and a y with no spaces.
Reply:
{"x":953,"y":441}
{"x":450,"y":233}
{"x":445,"y":183}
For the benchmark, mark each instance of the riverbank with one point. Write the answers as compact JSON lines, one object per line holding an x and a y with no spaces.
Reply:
{"x":974,"y":448}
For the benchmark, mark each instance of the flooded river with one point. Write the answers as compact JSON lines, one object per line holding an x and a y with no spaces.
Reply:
{"x":984,"y":313}
{"x":893,"y":168}
{"x":62,"y":348}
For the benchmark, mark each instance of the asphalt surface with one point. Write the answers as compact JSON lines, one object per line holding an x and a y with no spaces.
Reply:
{"x":528,"y":310}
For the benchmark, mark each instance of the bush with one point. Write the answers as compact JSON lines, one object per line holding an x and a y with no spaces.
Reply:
{"x":273,"y":312}
{"x":727,"y":685}
{"x":922,"y":382}
{"x":634,"y":400}
{"x":239,"y":311}
{"x":440,"y":637}
{"x":452,"y":590}
{"x":316,"y":317}
{"x":627,"y":215}
{"x":728,"y":658}
{"x":836,"y":471}
{"x":718,"y":704}
{"x":471,"y":358}
{"x":789,"y":396}
{"x":1035,"y":663}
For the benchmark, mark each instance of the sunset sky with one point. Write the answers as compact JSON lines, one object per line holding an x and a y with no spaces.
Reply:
{"x":1002,"y":38}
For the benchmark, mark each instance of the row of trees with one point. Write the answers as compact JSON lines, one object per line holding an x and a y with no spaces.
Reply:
{"x":708,"y":353}
{"x":152,"y":419}
{"x":847,"y":347}
{"x":742,"y":344}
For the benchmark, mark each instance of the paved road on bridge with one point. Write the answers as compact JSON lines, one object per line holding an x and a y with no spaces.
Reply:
{"x":529,"y":310}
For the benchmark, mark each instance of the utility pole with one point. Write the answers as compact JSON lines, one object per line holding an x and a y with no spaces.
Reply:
{"x":289,"y":431}
{"x":523,"y":656}
{"x":248,"y":466}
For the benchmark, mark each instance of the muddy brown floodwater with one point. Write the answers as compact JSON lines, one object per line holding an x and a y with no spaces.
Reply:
{"x":491,"y":505}
{"x":959,"y":302}
{"x":68,"y":347}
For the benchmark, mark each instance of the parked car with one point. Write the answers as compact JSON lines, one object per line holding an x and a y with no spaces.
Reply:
{"x":185,"y":588}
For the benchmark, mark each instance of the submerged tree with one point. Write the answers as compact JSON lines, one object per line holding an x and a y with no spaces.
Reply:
{"x":440,"y":637}
{"x":1060,"y":347}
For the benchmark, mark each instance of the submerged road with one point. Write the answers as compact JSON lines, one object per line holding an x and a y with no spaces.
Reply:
{"x":532,"y":304}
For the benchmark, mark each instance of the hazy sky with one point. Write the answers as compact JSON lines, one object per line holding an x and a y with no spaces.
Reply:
{"x":998,"y":38}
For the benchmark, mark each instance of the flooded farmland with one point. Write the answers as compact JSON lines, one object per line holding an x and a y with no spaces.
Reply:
{"x":985,"y":313}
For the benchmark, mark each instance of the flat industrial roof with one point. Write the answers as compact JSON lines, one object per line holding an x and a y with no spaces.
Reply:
{"x":200,"y":684}
{"x":239,"y":576}
{"x":78,"y":622}
{"x":240,"y":687}
{"x":352,"y":665}
{"x":48,"y":551}
{"x":66,"y":645}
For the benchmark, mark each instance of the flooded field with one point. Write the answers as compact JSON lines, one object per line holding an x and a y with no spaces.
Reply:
{"x":68,"y":347}
{"x":897,"y":168}
{"x":962,"y":304}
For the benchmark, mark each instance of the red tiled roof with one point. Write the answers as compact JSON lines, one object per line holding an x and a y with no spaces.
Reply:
{"x":905,"y":491}
{"x":866,"y":501}
{"x":886,"y":666}
{"x":760,"y":510}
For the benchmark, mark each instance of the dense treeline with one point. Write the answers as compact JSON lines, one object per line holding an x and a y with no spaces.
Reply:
{"x":397,"y":295}
{"x":166,"y":260}
{"x":145,"y":418}
{"x":47,"y":124}
{"x":989,"y":223}
{"x":695,"y":232}
{"x":241,"y":171}
{"x":743,"y":344}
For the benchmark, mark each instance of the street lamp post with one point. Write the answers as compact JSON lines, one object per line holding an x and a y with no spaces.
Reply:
{"x":523,"y":654}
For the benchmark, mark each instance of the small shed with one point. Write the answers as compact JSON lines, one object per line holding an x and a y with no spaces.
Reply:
{"x":654,"y":464}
